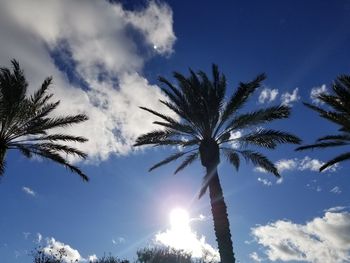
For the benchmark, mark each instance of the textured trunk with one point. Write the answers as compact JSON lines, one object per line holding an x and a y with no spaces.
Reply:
{"x":220,"y":217}
{"x":210,"y":158}
{"x":2,"y":160}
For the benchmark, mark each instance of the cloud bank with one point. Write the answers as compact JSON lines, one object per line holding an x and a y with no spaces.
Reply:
{"x":323,"y":239}
{"x":95,"y":52}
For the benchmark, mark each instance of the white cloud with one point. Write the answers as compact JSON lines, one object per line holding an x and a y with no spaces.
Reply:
{"x":92,"y":258}
{"x":323,"y":239}
{"x":119,"y":240}
{"x":182,"y":237}
{"x":316,"y":91}
{"x":64,"y":252}
{"x":310,"y":164}
{"x":268,"y":95}
{"x":286,"y":164}
{"x":254,"y":256}
{"x":335,"y":209}
{"x":235,"y":135}
{"x":314,"y":165}
{"x":28,"y":191}
{"x":156,"y":25}
{"x":336,"y":190}
{"x":92,"y":38}
{"x":288,"y":98}
{"x":59,"y":249}
{"x":305,"y":164}
{"x":39,"y":237}
{"x":264,"y":181}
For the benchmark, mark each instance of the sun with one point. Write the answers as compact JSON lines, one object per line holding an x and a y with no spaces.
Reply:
{"x":179,"y":219}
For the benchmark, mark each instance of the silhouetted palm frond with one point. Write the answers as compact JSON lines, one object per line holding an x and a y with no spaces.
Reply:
{"x":202,"y":114}
{"x":25,"y":122}
{"x":339,"y":101}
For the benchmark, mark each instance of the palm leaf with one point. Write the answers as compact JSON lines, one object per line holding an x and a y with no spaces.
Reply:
{"x":169,"y":159}
{"x":322,"y":145}
{"x":232,"y":157}
{"x":239,"y":98}
{"x":338,"y":159}
{"x":259,"y":117}
{"x":259,"y":160}
{"x":190,"y":159}
{"x":268,"y":138}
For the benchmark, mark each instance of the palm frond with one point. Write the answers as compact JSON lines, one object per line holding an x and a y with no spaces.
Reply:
{"x":268,"y":138}
{"x":258,"y":117}
{"x":47,"y":154}
{"x":335,"y":117}
{"x":57,"y":122}
{"x":232,"y":156}
{"x":239,"y":98}
{"x":25,"y":121}
{"x":341,"y":137}
{"x":154,"y":137}
{"x":190,"y":159}
{"x":169,"y":159}
{"x":182,"y":128}
{"x":55,"y":137}
{"x":338,"y":159}
{"x":322,"y":145}
{"x":39,"y":94}
{"x":259,"y":160}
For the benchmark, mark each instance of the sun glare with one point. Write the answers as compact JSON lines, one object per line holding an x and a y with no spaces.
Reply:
{"x":179,"y":219}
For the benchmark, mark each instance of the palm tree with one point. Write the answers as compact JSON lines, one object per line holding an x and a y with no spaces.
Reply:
{"x":204,"y":126}
{"x":339,"y":102}
{"x":24,"y":122}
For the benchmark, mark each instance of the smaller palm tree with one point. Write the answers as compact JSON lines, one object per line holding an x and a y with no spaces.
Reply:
{"x":24,"y":122}
{"x":339,"y":113}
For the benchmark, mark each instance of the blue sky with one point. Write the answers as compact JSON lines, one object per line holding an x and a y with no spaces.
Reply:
{"x":105,"y":59}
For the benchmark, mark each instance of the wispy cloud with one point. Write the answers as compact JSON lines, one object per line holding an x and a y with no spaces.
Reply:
{"x":289,"y":98}
{"x":323,"y":239}
{"x":28,"y":191}
{"x":336,"y":209}
{"x":317,"y":91}
{"x":118,"y":240}
{"x":39,"y":237}
{"x":336,"y":190}
{"x":255,"y":257}
{"x":268,"y":95}
{"x":264,"y":181}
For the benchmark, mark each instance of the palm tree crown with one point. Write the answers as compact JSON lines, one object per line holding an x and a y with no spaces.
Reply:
{"x":206,"y":122}
{"x":339,"y":113}
{"x":24,"y":122}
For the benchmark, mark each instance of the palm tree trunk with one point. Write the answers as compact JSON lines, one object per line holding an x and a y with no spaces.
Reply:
{"x":2,"y":160}
{"x":220,"y":217}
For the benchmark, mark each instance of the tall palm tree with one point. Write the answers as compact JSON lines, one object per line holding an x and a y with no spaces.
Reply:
{"x":339,"y":113}
{"x":204,"y":129}
{"x":25,"y":124}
